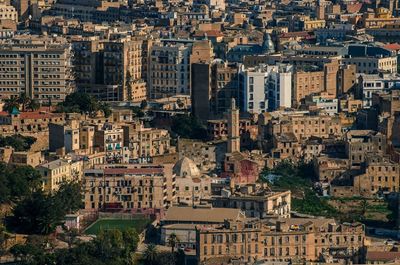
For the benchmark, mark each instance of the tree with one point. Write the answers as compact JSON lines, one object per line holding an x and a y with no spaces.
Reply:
{"x":166,"y":258}
{"x":24,"y":101}
{"x":108,"y":248}
{"x":33,"y":105}
{"x":70,"y":196}
{"x":105,"y":108}
{"x":173,"y":240}
{"x":109,"y":244}
{"x":150,"y":255}
{"x":131,"y":239}
{"x":3,"y":240}
{"x":143,"y":104}
{"x":364,"y":207}
{"x":38,"y":214}
{"x":83,"y":103}
{"x":188,"y":127}
{"x":10,"y":104}
{"x":18,"y":142}
{"x":137,"y":111}
{"x":17,"y":182}
{"x":23,"y":181}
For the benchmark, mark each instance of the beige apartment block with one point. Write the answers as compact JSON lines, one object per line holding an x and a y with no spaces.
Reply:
{"x":145,"y":142}
{"x":305,"y":83}
{"x":112,"y":70}
{"x":127,"y":188}
{"x":281,"y":240}
{"x":8,"y":12}
{"x":56,"y":172}
{"x":303,"y":126}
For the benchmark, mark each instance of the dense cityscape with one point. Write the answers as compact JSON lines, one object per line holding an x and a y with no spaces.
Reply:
{"x":199,"y":132}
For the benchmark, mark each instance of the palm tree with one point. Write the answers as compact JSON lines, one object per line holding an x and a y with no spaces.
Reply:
{"x":10,"y":104}
{"x":33,"y":105}
{"x":173,"y":240}
{"x":24,"y":100}
{"x":150,"y":254}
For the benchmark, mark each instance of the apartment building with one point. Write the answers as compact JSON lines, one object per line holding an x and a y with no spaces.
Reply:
{"x":112,"y":70}
{"x":40,"y":67}
{"x":346,"y":78}
{"x":373,"y":65}
{"x":266,"y":87}
{"x":306,"y":83}
{"x":126,"y":188}
{"x":322,"y":101}
{"x":360,"y":142}
{"x":63,"y":136}
{"x":305,"y":125}
{"x":281,"y":240}
{"x":225,"y":86}
{"x":145,"y":142}
{"x":8,"y":12}
{"x":213,"y":87}
{"x":109,"y":139}
{"x":169,"y":70}
{"x":285,"y":146}
{"x":328,"y":168}
{"x":218,"y":129}
{"x":255,"y":202}
{"x":28,"y":122}
{"x":56,"y":172}
{"x":380,"y":175}
{"x":368,"y":84}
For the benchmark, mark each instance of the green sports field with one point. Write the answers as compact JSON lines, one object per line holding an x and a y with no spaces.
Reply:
{"x":120,"y":224}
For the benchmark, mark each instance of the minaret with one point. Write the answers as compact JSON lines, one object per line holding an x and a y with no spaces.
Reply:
{"x":233,"y":129}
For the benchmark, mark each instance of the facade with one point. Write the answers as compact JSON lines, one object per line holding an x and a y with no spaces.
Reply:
{"x":112,"y":70}
{"x":266,"y":88}
{"x":39,"y":67}
{"x":56,"y":172}
{"x":255,"y":203}
{"x":110,"y":139}
{"x":285,"y":240}
{"x":127,"y":188}
{"x":63,"y":137}
{"x":373,"y":65}
{"x":225,"y":86}
{"x":8,"y":12}
{"x":306,"y":83}
{"x":219,"y":83}
{"x":323,"y":101}
{"x":305,"y":125}
{"x":361,"y":142}
{"x":169,"y":70}
{"x":374,"y":83}
{"x":144,"y":142}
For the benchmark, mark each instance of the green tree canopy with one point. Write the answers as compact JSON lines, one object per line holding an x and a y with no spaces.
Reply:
{"x":41,"y":213}
{"x":83,"y":103}
{"x":18,"y":142}
{"x":17,"y":182}
{"x":188,"y":127}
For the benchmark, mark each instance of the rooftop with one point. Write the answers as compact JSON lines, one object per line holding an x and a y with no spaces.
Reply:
{"x":201,"y":215}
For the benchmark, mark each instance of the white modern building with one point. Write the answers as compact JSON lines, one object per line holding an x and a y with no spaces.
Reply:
{"x":323,"y":101}
{"x":372,"y":83}
{"x":266,"y":88}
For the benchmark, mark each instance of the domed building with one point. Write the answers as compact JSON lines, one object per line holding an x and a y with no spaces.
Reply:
{"x":185,"y":167}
